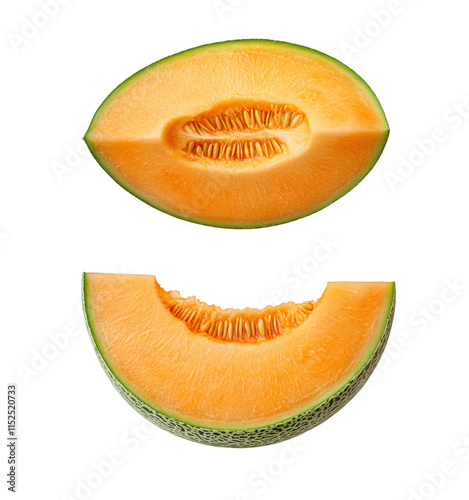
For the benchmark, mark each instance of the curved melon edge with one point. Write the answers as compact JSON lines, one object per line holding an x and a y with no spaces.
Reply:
{"x":275,"y":43}
{"x":108,"y":100}
{"x":203,"y":222}
{"x":254,"y":436}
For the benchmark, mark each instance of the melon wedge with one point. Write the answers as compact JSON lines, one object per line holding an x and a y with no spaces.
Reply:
{"x":245,"y":133}
{"x":236,"y":378}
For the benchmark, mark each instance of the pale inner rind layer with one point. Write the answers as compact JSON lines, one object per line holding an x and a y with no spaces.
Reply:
{"x":213,"y":382}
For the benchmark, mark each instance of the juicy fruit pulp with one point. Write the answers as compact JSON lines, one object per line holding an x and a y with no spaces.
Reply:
{"x":235,"y":132}
{"x":246,"y":133}
{"x":236,"y":377}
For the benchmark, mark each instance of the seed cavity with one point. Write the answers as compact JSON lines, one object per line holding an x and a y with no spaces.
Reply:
{"x":233,"y":325}
{"x":235,"y":150}
{"x":237,"y":131}
{"x":243,"y":118}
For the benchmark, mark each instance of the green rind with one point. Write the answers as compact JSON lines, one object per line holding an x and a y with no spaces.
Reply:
{"x":259,"y":436}
{"x":300,"y":48}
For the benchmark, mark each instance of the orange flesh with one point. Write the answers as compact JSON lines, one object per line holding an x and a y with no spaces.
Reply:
{"x":223,"y":382}
{"x":239,"y":134}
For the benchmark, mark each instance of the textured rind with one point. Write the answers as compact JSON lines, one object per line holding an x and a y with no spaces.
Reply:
{"x":261,"y":436}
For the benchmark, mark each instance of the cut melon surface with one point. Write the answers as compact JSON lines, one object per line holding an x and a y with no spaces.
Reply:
{"x":233,"y":377}
{"x":245,"y":133}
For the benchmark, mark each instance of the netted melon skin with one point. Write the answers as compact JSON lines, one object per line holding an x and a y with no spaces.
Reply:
{"x":261,"y":436}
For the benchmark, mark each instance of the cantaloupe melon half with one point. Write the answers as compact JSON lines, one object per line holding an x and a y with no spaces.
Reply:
{"x":236,"y":378}
{"x":245,"y":133}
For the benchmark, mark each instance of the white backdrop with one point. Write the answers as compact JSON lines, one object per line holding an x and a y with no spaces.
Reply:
{"x":406,"y":435}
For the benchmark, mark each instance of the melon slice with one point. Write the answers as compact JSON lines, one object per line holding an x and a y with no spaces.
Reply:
{"x":244,"y":133}
{"x":236,"y":378}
